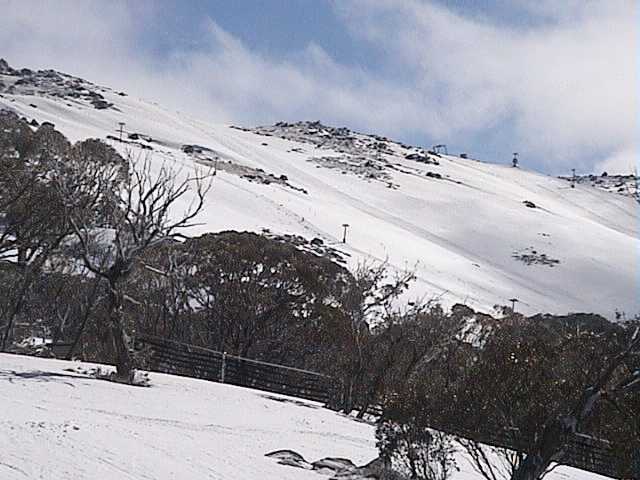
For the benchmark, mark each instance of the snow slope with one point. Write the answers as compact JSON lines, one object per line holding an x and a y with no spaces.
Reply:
{"x":461,"y":224}
{"x":57,"y":424}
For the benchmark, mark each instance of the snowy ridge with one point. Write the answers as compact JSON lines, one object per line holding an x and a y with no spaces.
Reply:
{"x":476,"y":233}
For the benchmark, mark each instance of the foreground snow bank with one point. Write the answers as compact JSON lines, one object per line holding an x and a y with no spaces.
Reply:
{"x":58,"y":424}
{"x":63,"y":425}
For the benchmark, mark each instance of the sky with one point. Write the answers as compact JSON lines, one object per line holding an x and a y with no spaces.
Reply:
{"x":557,"y":82}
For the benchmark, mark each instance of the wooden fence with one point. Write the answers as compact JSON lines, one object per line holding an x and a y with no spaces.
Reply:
{"x":582,"y":451}
{"x":60,"y":350}
{"x":167,"y":356}
{"x":178,"y":358}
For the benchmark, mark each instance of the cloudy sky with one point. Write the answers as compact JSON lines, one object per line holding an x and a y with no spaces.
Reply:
{"x":557,"y":81}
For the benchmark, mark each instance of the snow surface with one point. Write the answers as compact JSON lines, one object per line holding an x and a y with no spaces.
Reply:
{"x":467,"y":234}
{"x":57,"y":424}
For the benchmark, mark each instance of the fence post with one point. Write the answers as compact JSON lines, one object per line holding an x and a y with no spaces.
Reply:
{"x":223,"y":367}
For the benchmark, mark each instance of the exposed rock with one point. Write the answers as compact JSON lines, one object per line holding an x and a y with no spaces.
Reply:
{"x":316,"y":246}
{"x":621,"y":184}
{"x":139,"y":136}
{"x":529,"y":204}
{"x":377,"y":469}
{"x":193,"y":149}
{"x":49,"y":83}
{"x":333,"y":464}
{"x":421,"y":158}
{"x":290,"y":459}
{"x":211,"y":158}
{"x":340,"y":468}
{"x":530,"y":256}
{"x":101,"y":104}
{"x":4,"y":67}
{"x":366,"y":156}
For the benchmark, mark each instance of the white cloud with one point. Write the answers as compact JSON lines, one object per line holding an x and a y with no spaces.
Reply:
{"x":566,"y":87}
{"x":568,"y":84}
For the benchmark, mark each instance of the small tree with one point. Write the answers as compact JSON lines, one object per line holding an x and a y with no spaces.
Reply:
{"x":415,"y":451}
{"x":367,"y":303}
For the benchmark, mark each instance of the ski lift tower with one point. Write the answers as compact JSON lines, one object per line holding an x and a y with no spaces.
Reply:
{"x":513,"y":304}
{"x":442,"y":148}
{"x":344,"y":233}
{"x":120,"y":130}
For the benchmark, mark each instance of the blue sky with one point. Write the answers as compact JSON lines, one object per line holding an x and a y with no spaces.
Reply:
{"x":556,"y":81}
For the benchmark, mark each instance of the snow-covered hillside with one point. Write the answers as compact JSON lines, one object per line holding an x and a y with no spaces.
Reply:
{"x":60,"y":424}
{"x":476,"y":233}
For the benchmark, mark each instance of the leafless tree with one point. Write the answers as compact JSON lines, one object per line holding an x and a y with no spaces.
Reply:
{"x":143,"y":213}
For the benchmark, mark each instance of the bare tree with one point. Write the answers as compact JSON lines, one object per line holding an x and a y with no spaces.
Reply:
{"x":142,"y":214}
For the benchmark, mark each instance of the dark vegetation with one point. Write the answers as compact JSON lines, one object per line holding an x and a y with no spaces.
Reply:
{"x":90,"y":255}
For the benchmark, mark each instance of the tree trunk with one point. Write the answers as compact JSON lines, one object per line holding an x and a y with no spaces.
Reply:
{"x":91,"y":300}
{"x":347,"y":396}
{"x":119,"y":341}
{"x":532,"y":468}
{"x":536,"y":463}
{"x":17,"y":308}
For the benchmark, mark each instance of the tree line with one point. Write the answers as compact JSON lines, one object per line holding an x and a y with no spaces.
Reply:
{"x":94,"y":251}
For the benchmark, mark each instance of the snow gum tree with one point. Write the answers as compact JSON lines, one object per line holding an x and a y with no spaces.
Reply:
{"x":528,"y":388}
{"x":140,"y":213}
{"x":33,"y":220}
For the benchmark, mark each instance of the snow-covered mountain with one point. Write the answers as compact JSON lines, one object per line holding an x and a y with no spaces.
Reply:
{"x":476,"y":233}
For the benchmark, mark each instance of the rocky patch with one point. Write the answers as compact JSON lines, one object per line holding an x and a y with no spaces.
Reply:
{"x":421,"y":157}
{"x":50,"y":83}
{"x":316,"y":246}
{"x":212,"y":159}
{"x":369,"y":157}
{"x":337,"y":468}
{"x":628,"y":185}
{"x":363,"y":167}
{"x":530,"y":256}
{"x":290,"y":459}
